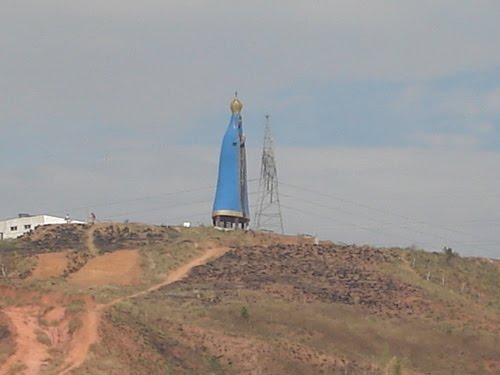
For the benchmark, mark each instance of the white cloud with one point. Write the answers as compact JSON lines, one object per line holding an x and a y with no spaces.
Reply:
{"x":493,"y":101}
{"x":412,"y":97}
{"x":468,"y":102}
{"x":447,"y":140}
{"x":148,"y":63}
{"x":454,"y":117}
{"x":485,"y":128}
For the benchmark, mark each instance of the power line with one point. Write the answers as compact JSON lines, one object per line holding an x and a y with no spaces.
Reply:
{"x":377,"y":219}
{"x":484,"y":242}
{"x":340,"y":208}
{"x":162,"y":207}
{"x":354,"y":225}
{"x":147,"y":197}
{"x":196,"y":214}
{"x":378,"y":210}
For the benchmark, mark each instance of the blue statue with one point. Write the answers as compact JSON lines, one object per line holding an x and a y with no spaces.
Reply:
{"x":231,"y":198}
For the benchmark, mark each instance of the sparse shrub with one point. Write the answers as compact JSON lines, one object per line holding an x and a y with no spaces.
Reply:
{"x":9,"y":246}
{"x":4,"y":332}
{"x":42,"y":338}
{"x":74,"y":324}
{"x":214,"y":364}
{"x":75,"y":307}
{"x":55,"y":352}
{"x":244,"y":313}
{"x":17,"y":368}
{"x":394,"y":367}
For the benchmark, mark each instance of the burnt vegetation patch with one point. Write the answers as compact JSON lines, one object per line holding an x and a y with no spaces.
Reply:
{"x":53,"y":238}
{"x":118,"y":236}
{"x":305,"y":273}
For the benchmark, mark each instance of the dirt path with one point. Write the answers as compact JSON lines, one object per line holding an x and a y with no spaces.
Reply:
{"x":89,"y":240}
{"x":83,"y":339}
{"x":30,"y":354}
{"x":89,"y":333}
{"x":179,"y":273}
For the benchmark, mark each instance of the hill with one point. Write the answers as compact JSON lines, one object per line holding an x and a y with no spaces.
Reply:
{"x":137,"y":299}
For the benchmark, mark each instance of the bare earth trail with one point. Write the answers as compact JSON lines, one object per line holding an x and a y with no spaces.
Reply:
{"x":89,"y":332}
{"x":89,"y":240}
{"x":30,"y":354}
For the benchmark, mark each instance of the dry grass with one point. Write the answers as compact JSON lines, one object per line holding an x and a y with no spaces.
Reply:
{"x":184,"y":328}
{"x":42,"y":338}
{"x":338,"y":330}
{"x":74,"y":324}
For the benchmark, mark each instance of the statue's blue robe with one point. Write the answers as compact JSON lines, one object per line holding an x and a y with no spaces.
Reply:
{"x":231,"y":197}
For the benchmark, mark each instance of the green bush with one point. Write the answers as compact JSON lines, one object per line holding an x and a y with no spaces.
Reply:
{"x":244,"y":313}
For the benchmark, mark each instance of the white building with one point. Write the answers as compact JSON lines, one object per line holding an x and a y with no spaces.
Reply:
{"x":13,"y":228}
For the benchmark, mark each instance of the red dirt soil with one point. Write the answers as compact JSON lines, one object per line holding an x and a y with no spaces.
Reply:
{"x":121,"y":267}
{"x":36,"y":330}
{"x":83,"y":339}
{"x":88,"y":333}
{"x":30,"y":353}
{"x":50,"y":265}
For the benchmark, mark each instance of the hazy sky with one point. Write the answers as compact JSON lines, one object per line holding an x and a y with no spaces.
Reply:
{"x":386,"y":114}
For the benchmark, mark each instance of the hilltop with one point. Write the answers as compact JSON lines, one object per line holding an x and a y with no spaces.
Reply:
{"x":140,"y":299}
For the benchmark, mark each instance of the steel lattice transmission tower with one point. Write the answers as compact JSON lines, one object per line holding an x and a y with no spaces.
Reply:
{"x":268,"y":212}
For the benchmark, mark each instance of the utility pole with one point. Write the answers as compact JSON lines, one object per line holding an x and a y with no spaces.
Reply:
{"x":268,"y":212}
